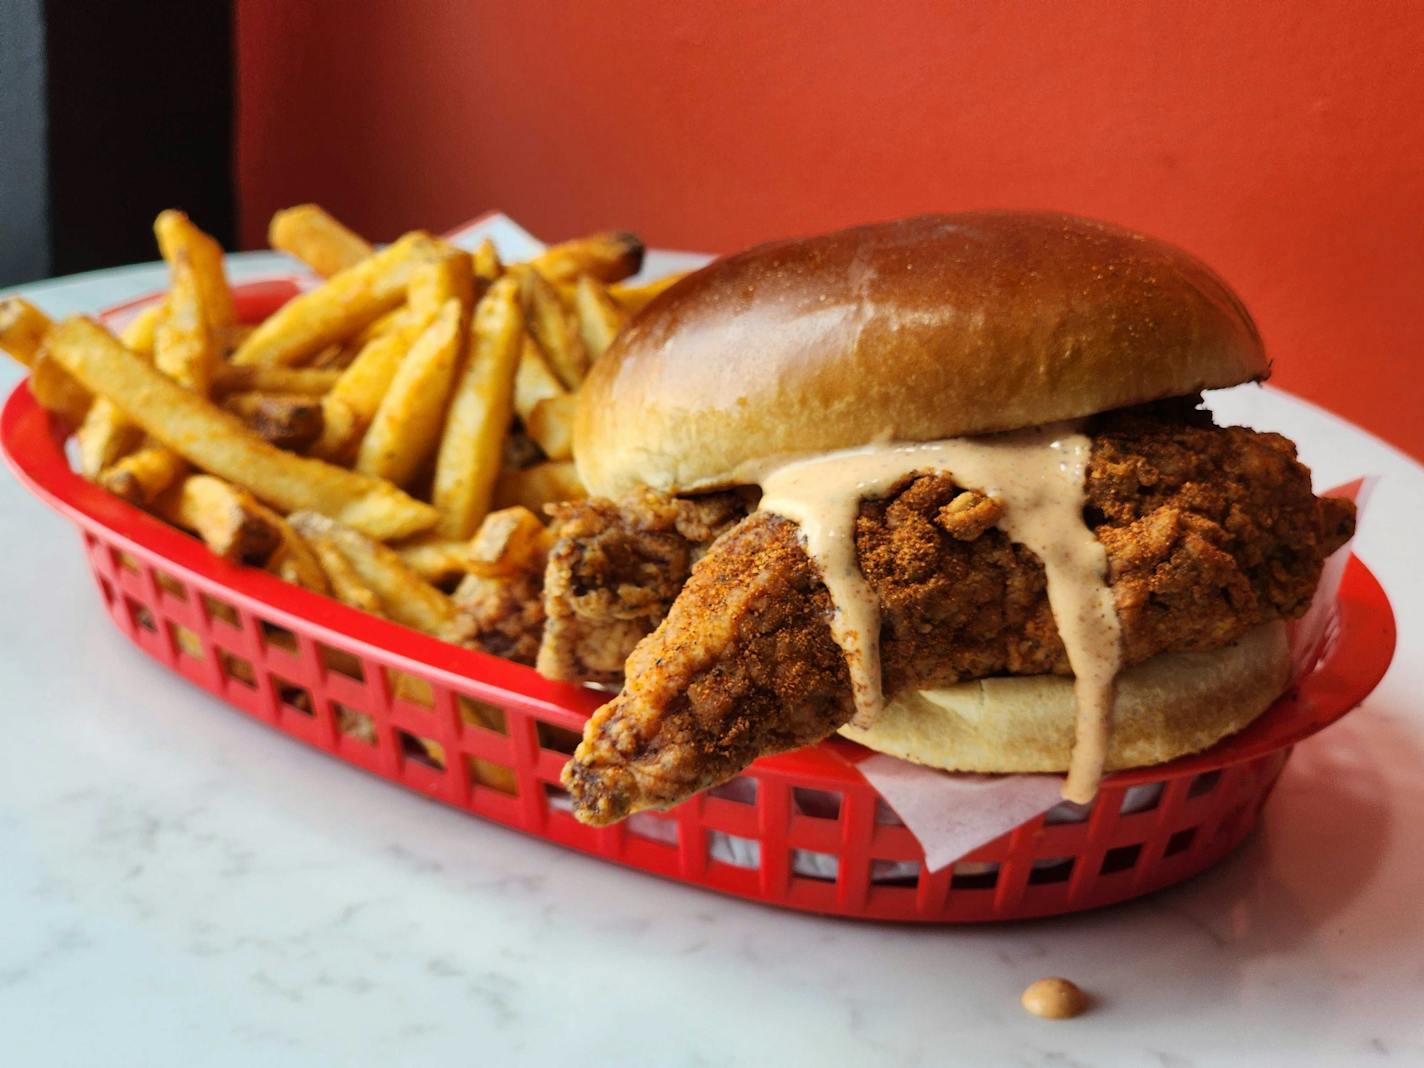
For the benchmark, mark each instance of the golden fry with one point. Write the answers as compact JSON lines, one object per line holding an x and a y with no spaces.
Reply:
{"x":22,"y":328}
{"x":141,"y":334}
{"x":534,"y":487}
{"x":227,"y":518}
{"x":479,"y":414}
{"x":289,"y":421}
{"x":199,"y":303}
{"x":219,"y":443}
{"x":105,"y":435}
{"x":346,"y":585}
{"x":318,"y":240}
{"x":635,"y":298}
{"x":434,"y":283}
{"x":486,"y":263}
{"x":554,"y":327}
{"x":304,"y":381}
{"x":142,"y":475}
{"x":551,"y":424}
{"x":406,"y":597}
{"x":343,"y":305}
{"x":437,"y":560}
{"x":608,"y":257}
{"x":58,"y":392}
{"x":294,"y":561}
{"x":406,"y":427}
{"x":507,"y":541}
{"x":599,"y":316}
{"x":535,"y":380}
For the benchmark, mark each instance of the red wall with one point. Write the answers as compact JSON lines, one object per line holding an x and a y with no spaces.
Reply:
{"x":1284,"y":143}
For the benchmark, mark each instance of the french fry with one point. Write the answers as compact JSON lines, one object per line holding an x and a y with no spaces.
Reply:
{"x":22,"y":329}
{"x":141,"y":333}
{"x":140,"y":476}
{"x":343,"y":305}
{"x":535,"y":380}
{"x":58,"y":392}
{"x":434,"y":283}
{"x":303,"y":381}
{"x":635,"y":298}
{"x":352,"y":403}
{"x":506,"y":542}
{"x":608,"y":257}
{"x":554,"y":327}
{"x":406,"y":426}
{"x":534,"y":487}
{"x":219,"y":443}
{"x":346,"y":584}
{"x":199,"y":303}
{"x":318,"y":240}
{"x":435,"y":559}
{"x":227,"y":518}
{"x":287,"y":420}
{"x":294,"y":561}
{"x":551,"y":424}
{"x":480,"y":412}
{"x":382,"y":324}
{"x":105,"y":435}
{"x":405,"y":596}
{"x":599,"y":316}
{"x":486,"y":263}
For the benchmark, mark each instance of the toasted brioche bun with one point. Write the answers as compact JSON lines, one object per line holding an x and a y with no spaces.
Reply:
{"x":1168,"y":706}
{"x":934,"y":327}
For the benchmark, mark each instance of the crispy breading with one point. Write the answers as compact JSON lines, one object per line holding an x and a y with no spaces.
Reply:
{"x":1208,"y":532}
{"x":614,"y":572}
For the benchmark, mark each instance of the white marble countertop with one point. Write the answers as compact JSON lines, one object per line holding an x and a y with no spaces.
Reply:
{"x":182,"y":885}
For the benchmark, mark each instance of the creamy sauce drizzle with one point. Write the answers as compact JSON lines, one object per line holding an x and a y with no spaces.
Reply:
{"x":1037,"y":476}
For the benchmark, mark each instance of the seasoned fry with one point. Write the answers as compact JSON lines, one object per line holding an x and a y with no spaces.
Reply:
{"x":141,"y":334}
{"x":406,"y":597}
{"x":318,"y":240}
{"x":303,"y":381}
{"x":599,"y":316}
{"x":534,"y":381}
{"x":486,"y":263}
{"x":534,"y":487}
{"x":105,"y":435}
{"x":396,"y":317}
{"x":352,"y":403}
{"x":506,"y":542}
{"x":554,"y":327}
{"x":22,"y":328}
{"x":346,"y":584}
{"x":294,"y":561}
{"x":142,"y":475}
{"x":437,"y":560}
{"x":479,"y":414}
{"x":227,"y":518}
{"x":551,"y":424}
{"x":58,"y":392}
{"x":634,"y":298}
{"x":199,"y":303}
{"x":218,"y":442}
{"x":608,"y":257}
{"x":435,"y":283}
{"x":348,"y":301}
{"x":287,"y":420}
{"x":406,"y":426}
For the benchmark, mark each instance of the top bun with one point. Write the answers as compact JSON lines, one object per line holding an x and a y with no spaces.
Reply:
{"x":934,"y":327}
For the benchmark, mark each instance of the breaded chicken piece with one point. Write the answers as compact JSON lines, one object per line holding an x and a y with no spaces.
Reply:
{"x":1208,"y":532}
{"x":614,"y":571}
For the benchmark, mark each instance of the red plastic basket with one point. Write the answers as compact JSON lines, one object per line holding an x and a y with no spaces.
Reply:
{"x":803,"y":830}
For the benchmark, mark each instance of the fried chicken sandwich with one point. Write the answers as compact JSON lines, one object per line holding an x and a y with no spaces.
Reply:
{"x":944,"y":485}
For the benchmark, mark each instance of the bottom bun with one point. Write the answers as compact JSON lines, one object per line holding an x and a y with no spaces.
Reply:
{"x":1168,"y":706}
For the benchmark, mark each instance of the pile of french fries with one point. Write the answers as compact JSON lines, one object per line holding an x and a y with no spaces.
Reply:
{"x":382,"y":438}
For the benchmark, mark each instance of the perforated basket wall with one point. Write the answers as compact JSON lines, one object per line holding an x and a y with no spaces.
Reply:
{"x":803,"y":830}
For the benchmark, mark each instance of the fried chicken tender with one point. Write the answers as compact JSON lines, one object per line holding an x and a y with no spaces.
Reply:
{"x":614,"y":572}
{"x":1208,"y":531}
